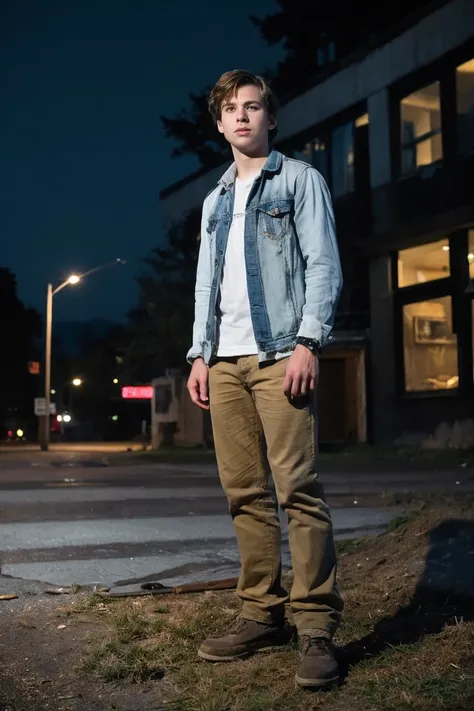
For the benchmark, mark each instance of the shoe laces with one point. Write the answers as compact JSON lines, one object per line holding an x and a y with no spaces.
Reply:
{"x":306,"y":642}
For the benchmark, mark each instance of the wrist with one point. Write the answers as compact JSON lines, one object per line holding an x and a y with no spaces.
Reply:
{"x":311,"y":344}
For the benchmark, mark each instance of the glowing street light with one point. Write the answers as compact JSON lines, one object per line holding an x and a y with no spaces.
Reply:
{"x":77,"y":382}
{"x":72,"y":279}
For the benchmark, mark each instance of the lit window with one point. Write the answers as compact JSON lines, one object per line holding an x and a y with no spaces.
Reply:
{"x":465,"y":104}
{"x":362,"y":121}
{"x":425,"y":263}
{"x":429,"y":346}
{"x":421,"y":128}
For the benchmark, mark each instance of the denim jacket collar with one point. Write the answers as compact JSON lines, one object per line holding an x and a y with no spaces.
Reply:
{"x":272,"y":165}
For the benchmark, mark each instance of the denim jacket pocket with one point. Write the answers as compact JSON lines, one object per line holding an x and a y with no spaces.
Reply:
{"x":275,"y":218}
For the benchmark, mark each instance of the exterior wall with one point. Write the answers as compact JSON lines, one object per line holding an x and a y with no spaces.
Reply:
{"x":190,"y":196}
{"x":402,"y":212}
{"x":430,"y":39}
{"x":379,"y":138}
{"x":382,"y":355}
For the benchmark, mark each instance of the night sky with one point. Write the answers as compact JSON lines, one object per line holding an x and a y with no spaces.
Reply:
{"x":83,"y":153}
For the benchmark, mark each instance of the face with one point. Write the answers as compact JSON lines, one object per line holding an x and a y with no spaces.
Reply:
{"x":245,"y":121}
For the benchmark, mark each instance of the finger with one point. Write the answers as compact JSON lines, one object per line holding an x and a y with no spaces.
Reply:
{"x":304,"y":386}
{"x":296,"y":386}
{"x":287,"y":383}
{"x":203,"y":396}
{"x":202,"y":405}
{"x":193,"y":390}
{"x":312,"y":383}
{"x":196,"y":399}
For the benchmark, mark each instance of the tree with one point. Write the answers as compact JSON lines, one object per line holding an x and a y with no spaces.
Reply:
{"x":162,"y":322}
{"x":195,"y":133}
{"x":313,"y":34}
{"x":19,"y":326}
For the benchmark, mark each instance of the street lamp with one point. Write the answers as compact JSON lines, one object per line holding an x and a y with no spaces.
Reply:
{"x":73,"y":279}
{"x":77,"y":382}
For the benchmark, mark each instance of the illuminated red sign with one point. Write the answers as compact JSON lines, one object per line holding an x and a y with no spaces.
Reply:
{"x":138,"y":392}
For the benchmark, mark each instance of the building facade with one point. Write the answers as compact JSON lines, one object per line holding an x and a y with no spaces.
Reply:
{"x":392,"y":131}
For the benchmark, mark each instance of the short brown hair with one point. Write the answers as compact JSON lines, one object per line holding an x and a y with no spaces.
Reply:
{"x":228,"y":84}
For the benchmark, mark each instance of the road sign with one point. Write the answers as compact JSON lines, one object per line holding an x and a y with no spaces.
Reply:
{"x":40,"y":407}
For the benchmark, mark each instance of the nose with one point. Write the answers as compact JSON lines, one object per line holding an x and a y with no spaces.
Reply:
{"x":241,"y":114}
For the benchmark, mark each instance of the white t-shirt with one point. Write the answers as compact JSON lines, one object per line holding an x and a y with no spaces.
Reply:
{"x":236,"y":336}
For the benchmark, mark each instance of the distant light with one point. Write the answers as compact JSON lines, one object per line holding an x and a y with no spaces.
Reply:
{"x":77,"y":382}
{"x":53,"y":392}
{"x":10,"y":433}
{"x":139,"y":392}
{"x":470,"y":258}
{"x":19,"y":433}
{"x":115,"y":381}
{"x":59,"y":418}
{"x":67,"y":418}
{"x":115,"y":418}
{"x":446,"y":248}
{"x":74,"y":279}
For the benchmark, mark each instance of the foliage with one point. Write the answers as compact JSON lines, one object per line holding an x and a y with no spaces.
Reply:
{"x":19,"y":326}
{"x":313,"y":35}
{"x":161,"y":325}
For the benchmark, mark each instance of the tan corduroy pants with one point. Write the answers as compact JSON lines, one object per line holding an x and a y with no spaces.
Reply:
{"x":247,"y":400}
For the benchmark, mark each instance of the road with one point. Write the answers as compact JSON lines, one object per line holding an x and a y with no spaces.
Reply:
{"x":66,"y":519}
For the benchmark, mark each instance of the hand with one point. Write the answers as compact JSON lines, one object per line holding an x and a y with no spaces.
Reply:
{"x":197,"y":384}
{"x":301,"y":372}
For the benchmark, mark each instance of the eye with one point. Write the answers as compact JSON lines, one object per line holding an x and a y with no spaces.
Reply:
{"x":254,"y":107}
{"x":229,"y":108}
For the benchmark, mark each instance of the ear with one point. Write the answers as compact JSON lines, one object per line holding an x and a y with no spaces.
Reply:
{"x":272,"y":122}
{"x":220,"y":127}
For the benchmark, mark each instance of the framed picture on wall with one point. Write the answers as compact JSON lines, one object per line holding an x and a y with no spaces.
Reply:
{"x":432,"y":331}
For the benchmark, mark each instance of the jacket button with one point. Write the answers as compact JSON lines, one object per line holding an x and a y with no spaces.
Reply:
{"x":276,"y":211}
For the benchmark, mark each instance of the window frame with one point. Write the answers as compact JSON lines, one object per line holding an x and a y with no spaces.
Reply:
{"x":443,"y":71}
{"x":454,"y":285}
{"x":323,"y":131}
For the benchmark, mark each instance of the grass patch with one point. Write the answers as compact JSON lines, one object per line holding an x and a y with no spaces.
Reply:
{"x":402,"y":647}
{"x":114,"y":660}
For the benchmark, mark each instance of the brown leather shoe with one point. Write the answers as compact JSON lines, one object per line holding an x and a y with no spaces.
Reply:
{"x":248,"y":637}
{"x":318,"y":668}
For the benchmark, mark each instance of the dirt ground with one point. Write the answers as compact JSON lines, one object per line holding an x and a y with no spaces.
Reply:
{"x":38,"y":662}
{"x":406,"y":643}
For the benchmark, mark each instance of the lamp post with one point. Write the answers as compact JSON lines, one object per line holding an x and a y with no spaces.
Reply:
{"x":73,"y":279}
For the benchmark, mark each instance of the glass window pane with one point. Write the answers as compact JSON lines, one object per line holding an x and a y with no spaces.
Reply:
{"x":470,"y":256}
{"x":315,"y":153}
{"x":465,"y":104}
{"x":421,"y":128}
{"x":342,"y":159}
{"x":424,"y":263}
{"x":429,"y":346}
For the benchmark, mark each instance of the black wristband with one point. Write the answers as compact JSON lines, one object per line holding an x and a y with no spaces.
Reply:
{"x":310,"y":344}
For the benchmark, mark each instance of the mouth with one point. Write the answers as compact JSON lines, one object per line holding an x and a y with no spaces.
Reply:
{"x":242,"y":131}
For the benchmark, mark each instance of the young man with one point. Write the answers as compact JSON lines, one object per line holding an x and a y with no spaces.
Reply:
{"x":267,"y":285}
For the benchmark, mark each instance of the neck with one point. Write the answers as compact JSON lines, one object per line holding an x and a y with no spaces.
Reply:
{"x":248,"y":165}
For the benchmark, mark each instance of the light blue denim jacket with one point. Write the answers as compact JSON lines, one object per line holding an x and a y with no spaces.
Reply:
{"x":294,"y":274}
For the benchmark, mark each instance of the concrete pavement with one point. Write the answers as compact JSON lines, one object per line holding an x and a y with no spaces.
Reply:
{"x":65,"y":521}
